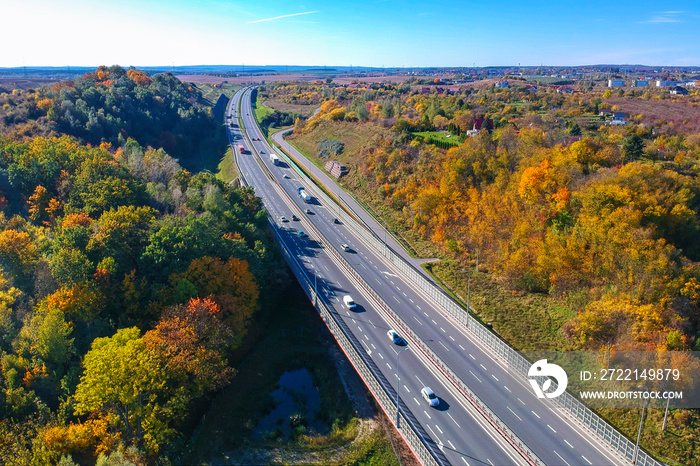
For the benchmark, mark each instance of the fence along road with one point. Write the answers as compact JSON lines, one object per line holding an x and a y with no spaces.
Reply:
{"x":601,"y":432}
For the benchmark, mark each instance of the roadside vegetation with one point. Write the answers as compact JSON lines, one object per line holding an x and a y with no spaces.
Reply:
{"x":585,"y":231}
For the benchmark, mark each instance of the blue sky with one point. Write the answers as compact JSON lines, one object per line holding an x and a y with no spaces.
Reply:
{"x":391,"y":33}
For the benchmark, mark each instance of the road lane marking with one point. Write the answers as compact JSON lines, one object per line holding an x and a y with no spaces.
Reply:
{"x":552,"y":428}
{"x":363,"y":266}
{"x":586,"y":460}
{"x":494,"y":377}
{"x":490,"y":462}
{"x":567,"y":442}
{"x":470,"y":355}
{"x":482,"y":366}
{"x":417,"y":402}
{"x":513,"y":413}
{"x":409,"y":391}
{"x":443,"y":330}
{"x":426,"y":413}
{"x":451,"y":338}
{"x":411,"y":301}
{"x":462,"y":348}
{"x":365,"y":335}
{"x":425,"y":314}
{"x":451,"y":444}
{"x":521,"y":401}
{"x":465,"y":461}
{"x":419,"y":308}
{"x":438,"y":428}
{"x":477,"y":378}
{"x":453,"y":420}
{"x":567,"y":463}
{"x":387,"y":365}
{"x":535,"y":414}
{"x":380,"y":355}
{"x":371,"y":323}
{"x":377,"y":280}
{"x":397,"y":299}
{"x":443,"y":345}
{"x":420,"y":381}
{"x":373,"y":345}
{"x":434,"y":321}
{"x":418,"y":320}
{"x":507,"y":389}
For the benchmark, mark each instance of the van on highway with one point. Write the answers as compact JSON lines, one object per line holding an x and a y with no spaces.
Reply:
{"x":349,"y":302}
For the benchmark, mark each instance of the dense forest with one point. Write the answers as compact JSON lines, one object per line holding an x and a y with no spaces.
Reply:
{"x":117,"y":265}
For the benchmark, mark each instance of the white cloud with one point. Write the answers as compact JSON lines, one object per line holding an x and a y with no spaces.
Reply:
{"x":664,"y":17}
{"x":280,"y":17}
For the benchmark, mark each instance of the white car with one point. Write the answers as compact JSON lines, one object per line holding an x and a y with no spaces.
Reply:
{"x":430,"y":396}
{"x":349,"y":302}
{"x":345,"y":247}
{"x":395,"y":338}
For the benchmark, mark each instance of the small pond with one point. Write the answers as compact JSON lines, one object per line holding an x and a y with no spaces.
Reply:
{"x":297,"y":404}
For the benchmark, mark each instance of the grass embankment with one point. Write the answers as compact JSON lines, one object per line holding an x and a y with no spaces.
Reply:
{"x":214,"y":154}
{"x":528,"y":321}
{"x":288,"y":336}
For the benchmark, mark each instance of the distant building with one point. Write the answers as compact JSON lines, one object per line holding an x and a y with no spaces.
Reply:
{"x":617,"y":118}
{"x":660,"y":83}
{"x":616,"y":82}
{"x":502,"y":84}
{"x":641,"y":83}
{"x":425,"y":90}
{"x":480,"y":123}
{"x":678,"y":90}
{"x":454,"y":90}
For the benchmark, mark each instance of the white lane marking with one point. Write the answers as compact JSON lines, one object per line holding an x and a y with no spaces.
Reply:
{"x":373,"y":345}
{"x":443,"y":345}
{"x":359,"y":328}
{"x":369,"y":351}
{"x":555,"y":452}
{"x":380,"y":355}
{"x":418,"y":320}
{"x":552,"y":428}
{"x":451,"y":338}
{"x":377,"y":280}
{"x":417,"y":402}
{"x":483,"y":367}
{"x":411,"y":301}
{"x":409,"y":391}
{"x":453,"y":420}
{"x":425,"y":314}
{"x":363,"y":266}
{"x":462,"y":348}
{"x":392,"y":282}
{"x":443,"y":330}
{"x":434,"y":321}
{"x":419,"y":308}
{"x":404,"y":294}
{"x":586,"y":459}
{"x":477,"y":378}
{"x":451,"y":444}
{"x":365,"y":335}
{"x":465,"y":461}
{"x":438,"y":428}
{"x":326,"y":267}
{"x":422,"y":384}
{"x":507,"y":389}
{"x":426,"y":413}
{"x":490,"y":462}
{"x":494,"y":377}
{"x":387,"y":365}
{"x":371,"y":323}
{"x":369,"y":261}
{"x":470,"y":355}
{"x":513,"y":413}
{"x":535,"y":414}
{"x":397,"y":299}
{"x":567,"y":442}
{"x":354,"y":321}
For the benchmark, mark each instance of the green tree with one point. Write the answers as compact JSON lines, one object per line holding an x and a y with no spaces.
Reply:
{"x":123,"y":378}
{"x":633,"y":147}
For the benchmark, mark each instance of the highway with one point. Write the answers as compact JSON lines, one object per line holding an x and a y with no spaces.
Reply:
{"x":458,"y":431}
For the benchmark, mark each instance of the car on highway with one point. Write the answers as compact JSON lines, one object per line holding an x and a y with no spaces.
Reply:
{"x":262,"y":151}
{"x":393,"y":336}
{"x":336,"y":221}
{"x":301,"y":233}
{"x":349,"y":302}
{"x":283,"y":219}
{"x":295,"y":218}
{"x":430,"y":396}
{"x":345,"y":247}
{"x":308,"y":211}
{"x":285,"y":176}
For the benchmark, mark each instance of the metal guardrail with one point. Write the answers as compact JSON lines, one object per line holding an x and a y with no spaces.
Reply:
{"x":598,"y":426}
